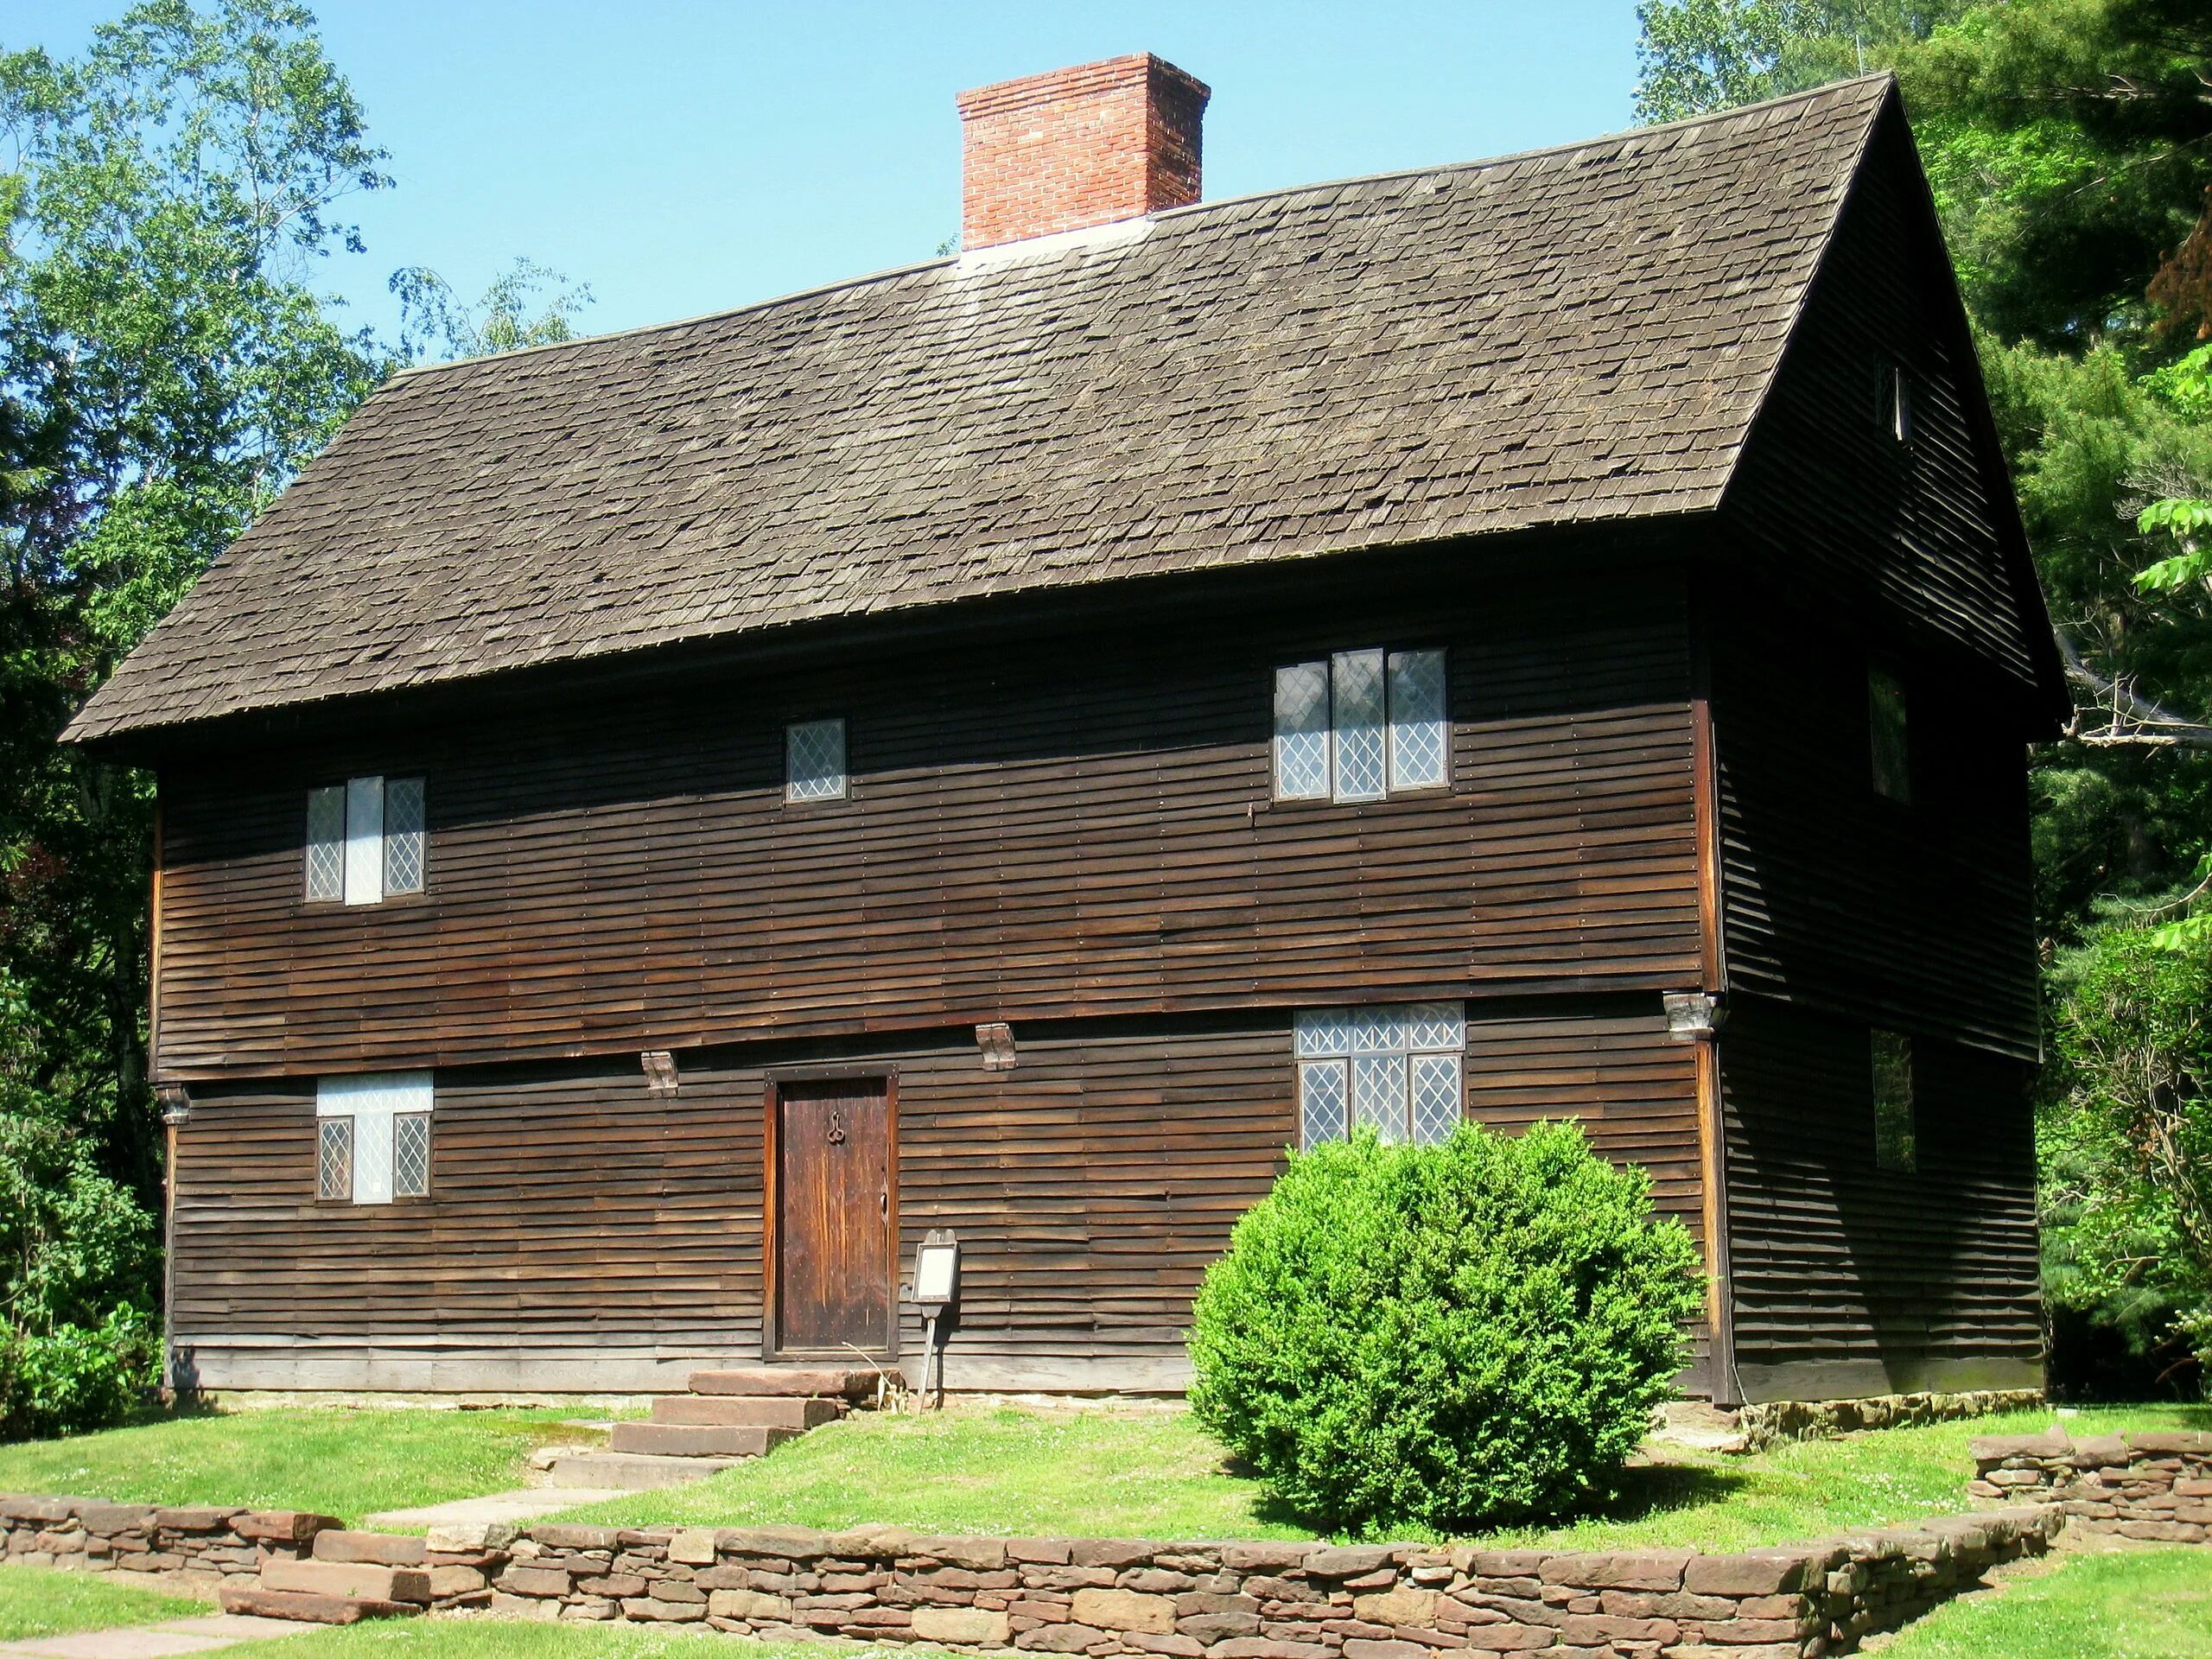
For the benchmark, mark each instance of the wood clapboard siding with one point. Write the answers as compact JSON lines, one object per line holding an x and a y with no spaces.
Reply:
{"x":1076,"y":825}
{"x":1090,"y":1186}
{"x":1836,"y":511}
{"x":1915,"y":915}
{"x":1850,"y":1279}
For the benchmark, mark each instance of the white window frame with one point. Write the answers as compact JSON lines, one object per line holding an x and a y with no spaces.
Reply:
{"x":371,"y":1103}
{"x":354,"y":853}
{"x":1372,"y":746}
{"x":800,"y":791}
{"x":1351,"y":1060}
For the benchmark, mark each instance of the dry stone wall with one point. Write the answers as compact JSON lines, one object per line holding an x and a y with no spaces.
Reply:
{"x":1772,"y":1423}
{"x":208,"y":1544}
{"x":1118,"y":1596}
{"x":2157,"y":1488}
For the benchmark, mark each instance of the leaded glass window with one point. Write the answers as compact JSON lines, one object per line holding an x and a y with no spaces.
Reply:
{"x":1893,"y":748}
{"x":403,"y":835}
{"x":1302,"y":732}
{"x":1394,"y":1069}
{"x":1363,"y":725}
{"x":366,"y":840}
{"x":1356,"y":712}
{"x":1418,"y":748}
{"x":335,"y":1158}
{"x":814,"y":760}
{"x":1895,"y":1138}
{"x":327,"y":843}
{"x":410,"y":1154}
{"x":386,"y":1136}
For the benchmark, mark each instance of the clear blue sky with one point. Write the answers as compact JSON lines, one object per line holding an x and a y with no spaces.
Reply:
{"x":687,"y":158}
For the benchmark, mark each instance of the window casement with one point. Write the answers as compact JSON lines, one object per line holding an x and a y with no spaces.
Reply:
{"x":814,"y":760}
{"x":372,"y":1137}
{"x":1894,"y":1140}
{"x":1360,"y":725}
{"x":366,"y":841}
{"x":1891,"y":741}
{"x":1394,"y":1070}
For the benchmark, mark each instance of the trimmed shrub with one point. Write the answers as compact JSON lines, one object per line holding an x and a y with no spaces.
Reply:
{"x":1443,"y":1335}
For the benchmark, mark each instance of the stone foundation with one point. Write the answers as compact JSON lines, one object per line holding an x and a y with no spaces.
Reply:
{"x":1766,"y":1425}
{"x":2157,"y":1488}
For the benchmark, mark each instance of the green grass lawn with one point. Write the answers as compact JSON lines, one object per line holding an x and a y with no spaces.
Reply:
{"x":37,"y":1601}
{"x":1012,"y":1471}
{"x":345,"y":1463}
{"x":2136,"y":1604}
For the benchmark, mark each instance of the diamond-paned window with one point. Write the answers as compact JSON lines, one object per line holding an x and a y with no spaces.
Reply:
{"x":366,"y":840}
{"x":387,"y":1135}
{"x":1302,"y":732}
{"x":327,"y":843}
{"x":1895,"y":1138}
{"x":1362,"y":725}
{"x":1394,"y":1069}
{"x":1355,"y":711}
{"x":1418,"y":748}
{"x":334,"y":1168}
{"x":1893,"y":747}
{"x":814,"y":760}
{"x":410,"y":1154}
{"x":403,"y":835}
{"x":1321,"y":1101}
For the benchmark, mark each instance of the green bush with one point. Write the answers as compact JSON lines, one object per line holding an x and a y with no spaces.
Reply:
{"x":1443,"y":1335}
{"x":72,"y":1379}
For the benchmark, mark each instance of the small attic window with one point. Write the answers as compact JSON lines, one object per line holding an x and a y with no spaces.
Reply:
{"x":1896,"y":402}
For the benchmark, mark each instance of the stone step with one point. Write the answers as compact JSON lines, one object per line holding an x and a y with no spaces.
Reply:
{"x":786,"y":1380}
{"x":357,"y":1580}
{"x":748,"y":1410}
{"x":632,"y":1472}
{"x":699,"y":1439}
{"x":379,"y":1549}
{"x":258,"y":1601}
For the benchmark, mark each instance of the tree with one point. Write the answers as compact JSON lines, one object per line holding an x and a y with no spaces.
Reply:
{"x":436,"y":322}
{"x":167,"y":201}
{"x":2127,"y":1140}
{"x":1701,"y":55}
{"x":164,"y":369}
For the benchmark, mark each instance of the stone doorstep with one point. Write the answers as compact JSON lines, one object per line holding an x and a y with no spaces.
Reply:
{"x":308,"y":1607}
{"x":374,"y":1549}
{"x":351,"y":1580}
{"x":784,"y":1379}
{"x":746,"y":1410}
{"x":699,"y":1439}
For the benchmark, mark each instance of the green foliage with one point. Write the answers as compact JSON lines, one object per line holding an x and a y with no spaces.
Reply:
{"x":75,"y":1378}
{"x":1443,"y":1335}
{"x":2125,"y":1140}
{"x":1700,"y":55}
{"x":436,"y":322}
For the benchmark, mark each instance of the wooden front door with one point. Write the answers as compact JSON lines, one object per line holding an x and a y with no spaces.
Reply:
{"x":834,"y":1261}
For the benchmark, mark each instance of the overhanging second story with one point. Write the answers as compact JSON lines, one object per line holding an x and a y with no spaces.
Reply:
{"x":1323,"y":595}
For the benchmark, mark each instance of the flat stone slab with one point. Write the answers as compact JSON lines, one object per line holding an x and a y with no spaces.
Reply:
{"x":784,"y":1379}
{"x":496,"y":1508}
{"x":633,"y":1472}
{"x":166,"y":1640}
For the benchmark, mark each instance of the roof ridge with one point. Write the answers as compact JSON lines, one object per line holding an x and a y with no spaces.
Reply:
{"x":890,"y":272}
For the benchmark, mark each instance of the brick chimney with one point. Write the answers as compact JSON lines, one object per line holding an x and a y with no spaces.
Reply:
{"x":1074,"y":147}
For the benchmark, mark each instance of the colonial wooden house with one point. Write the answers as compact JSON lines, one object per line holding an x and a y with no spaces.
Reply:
{"x":652,"y":826}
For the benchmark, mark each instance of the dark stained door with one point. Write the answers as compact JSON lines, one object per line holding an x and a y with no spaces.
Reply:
{"x":833,"y":1205}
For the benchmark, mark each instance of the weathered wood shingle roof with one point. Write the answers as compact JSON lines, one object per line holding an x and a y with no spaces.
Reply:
{"x":1577,"y":334}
